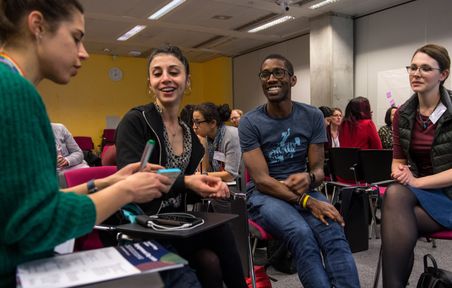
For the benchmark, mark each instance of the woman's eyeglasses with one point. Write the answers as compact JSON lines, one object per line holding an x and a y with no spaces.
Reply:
{"x":423,"y":69}
{"x":197,"y":123}
{"x":279,"y":74}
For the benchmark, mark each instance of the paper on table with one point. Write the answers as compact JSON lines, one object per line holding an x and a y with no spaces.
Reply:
{"x":97,"y":265}
{"x":76,"y":269}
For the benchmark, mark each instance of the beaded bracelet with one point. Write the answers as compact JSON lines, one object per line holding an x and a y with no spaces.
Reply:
{"x":300,"y":199}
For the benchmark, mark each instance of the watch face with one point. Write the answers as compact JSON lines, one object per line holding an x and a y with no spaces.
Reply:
{"x":115,"y":74}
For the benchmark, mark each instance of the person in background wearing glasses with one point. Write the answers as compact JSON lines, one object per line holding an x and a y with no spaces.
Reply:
{"x":223,"y":155}
{"x":385,"y":132}
{"x":275,"y":139}
{"x":236,"y":114}
{"x":213,"y":253}
{"x":335,"y":123}
{"x":421,"y":202}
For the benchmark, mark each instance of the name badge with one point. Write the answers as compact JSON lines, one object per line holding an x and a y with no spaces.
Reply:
{"x":439,"y":111}
{"x":219,"y":156}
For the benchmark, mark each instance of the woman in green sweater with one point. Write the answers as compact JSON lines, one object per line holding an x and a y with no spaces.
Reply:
{"x":41,"y":39}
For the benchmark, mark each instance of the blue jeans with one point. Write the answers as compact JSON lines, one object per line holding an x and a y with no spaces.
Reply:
{"x":322,"y":253}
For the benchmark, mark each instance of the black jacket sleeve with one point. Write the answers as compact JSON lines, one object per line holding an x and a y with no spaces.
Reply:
{"x":131,"y":137}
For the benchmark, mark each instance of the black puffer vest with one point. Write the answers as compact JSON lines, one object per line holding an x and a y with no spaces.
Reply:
{"x":441,"y":152}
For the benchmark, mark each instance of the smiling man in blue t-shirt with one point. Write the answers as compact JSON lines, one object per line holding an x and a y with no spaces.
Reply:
{"x":276,"y":140}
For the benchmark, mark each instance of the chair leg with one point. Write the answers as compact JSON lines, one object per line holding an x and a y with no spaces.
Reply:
{"x":434,"y":243}
{"x":373,"y":222}
{"x":251,"y":261}
{"x":377,"y":272}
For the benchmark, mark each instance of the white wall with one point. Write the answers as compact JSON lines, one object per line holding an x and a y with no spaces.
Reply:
{"x":384,"y":44}
{"x":247,"y":89}
{"x":387,"y":40}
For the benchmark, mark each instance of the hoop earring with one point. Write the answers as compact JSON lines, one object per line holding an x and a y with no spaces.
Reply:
{"x":187,"y":91}
{"x":151,"y":93}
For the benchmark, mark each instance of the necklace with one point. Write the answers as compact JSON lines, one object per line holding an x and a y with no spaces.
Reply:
{"x":11,"y":63}
{"x":169,"y":132}
{"x":424,"y":123}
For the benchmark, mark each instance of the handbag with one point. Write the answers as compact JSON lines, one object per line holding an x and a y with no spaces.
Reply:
{"x":434,"y":277}
{"x":355,"y":211}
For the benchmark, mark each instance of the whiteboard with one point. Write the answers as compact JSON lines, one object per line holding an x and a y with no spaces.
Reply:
{"x":393,"y":89}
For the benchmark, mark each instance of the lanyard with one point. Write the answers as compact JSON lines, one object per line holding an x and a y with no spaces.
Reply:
{"x":11,"y":63}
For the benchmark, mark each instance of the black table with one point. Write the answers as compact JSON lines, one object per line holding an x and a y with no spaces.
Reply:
{"x":211,"y":220}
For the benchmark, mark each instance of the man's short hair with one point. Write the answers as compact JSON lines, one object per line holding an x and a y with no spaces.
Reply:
{"x":287,"y":63}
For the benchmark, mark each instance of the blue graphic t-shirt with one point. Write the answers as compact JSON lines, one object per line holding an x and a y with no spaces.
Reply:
{"x":283,"y":141}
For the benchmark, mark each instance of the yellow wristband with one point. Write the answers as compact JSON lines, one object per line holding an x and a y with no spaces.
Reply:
{"x":305,"y":200}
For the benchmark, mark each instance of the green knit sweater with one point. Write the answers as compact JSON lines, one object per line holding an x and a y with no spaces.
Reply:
{"x":34,"y":215}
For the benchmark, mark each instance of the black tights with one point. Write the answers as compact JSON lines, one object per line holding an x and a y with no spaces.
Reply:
{"x":214,"y":256}
{"x":403,"y":221}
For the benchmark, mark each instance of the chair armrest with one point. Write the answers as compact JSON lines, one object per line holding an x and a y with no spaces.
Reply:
{"x":382,"y":183}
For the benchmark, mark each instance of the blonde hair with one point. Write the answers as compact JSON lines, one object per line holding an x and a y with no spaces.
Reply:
{"x":240,"y":112}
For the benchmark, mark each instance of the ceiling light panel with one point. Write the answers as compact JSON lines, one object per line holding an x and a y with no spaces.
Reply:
{"x":321,"y":4}
{"x":132,"y":32}
{"x":166,"y":9}
{"x":271,"y":24}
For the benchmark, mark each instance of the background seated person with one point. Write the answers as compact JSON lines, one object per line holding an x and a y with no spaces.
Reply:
{"x":275,"y":138}
{"x":69,"y":154}
{"x":236,"y":114}
{"x":385,"y":132}
{"x":357,"y":129}
{"x":223,"y":155}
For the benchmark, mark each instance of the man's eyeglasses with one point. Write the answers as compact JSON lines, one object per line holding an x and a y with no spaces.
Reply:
{"x":423,"y":69}
{"x":197,"y":123}
{"x":279,"y":74}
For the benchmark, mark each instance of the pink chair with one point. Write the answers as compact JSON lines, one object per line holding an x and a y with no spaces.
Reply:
{"x":257,"y":233}
{"x":108,"y":155}
{"x":80,"y":176}
{"x":84,"y":142}
{"x":109,"y":136}
{"x":83,"y":175}
{"x":446,"y":234}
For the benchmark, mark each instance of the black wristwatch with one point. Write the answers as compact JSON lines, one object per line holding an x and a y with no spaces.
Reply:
{"x":91,"y":186}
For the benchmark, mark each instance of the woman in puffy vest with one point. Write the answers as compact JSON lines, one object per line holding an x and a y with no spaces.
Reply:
{"x":421,"y":201}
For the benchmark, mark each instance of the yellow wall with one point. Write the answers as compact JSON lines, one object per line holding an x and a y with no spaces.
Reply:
{"x":84,"y":103}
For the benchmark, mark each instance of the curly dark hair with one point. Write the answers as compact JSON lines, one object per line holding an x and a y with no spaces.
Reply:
{"x":170,"y":50}
{"x":210,"y":111}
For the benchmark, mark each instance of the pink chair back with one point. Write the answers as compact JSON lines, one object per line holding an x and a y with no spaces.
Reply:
{"x":108,"y":155}
{"x":79,"y":176}
{"x":446,"y":234}
{"x":84,"y":142}
{"x":83,"y":175}
{"x":109,"y":135}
